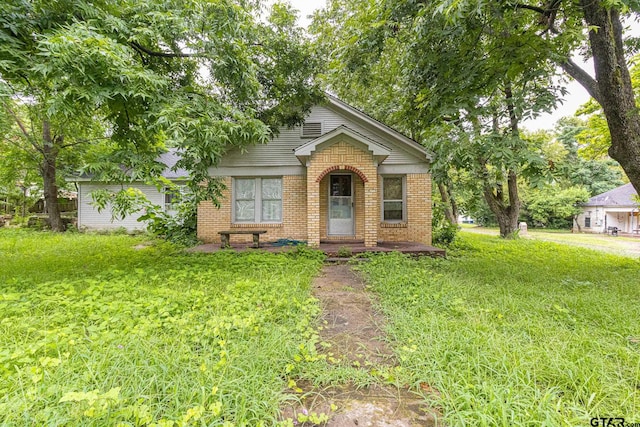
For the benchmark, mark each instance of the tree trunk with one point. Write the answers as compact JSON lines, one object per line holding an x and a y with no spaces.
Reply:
{"x":506,"y":211}
{"x":614,"y":87}
{"x":48,"y":171}
{"x":506,"y":214}
{"x":450,"y":206}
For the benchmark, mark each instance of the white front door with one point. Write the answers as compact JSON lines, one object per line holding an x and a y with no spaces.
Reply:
{"x":341,"y":205}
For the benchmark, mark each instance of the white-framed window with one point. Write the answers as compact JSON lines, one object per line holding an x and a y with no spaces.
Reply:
{"x":172,"y":196}
{"x":394,"y":206}
{"x":257,"y":200}
{"x":587,"y":222}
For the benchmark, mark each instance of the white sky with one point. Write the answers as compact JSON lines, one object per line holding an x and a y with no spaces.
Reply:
{"x":306,"y":7}
{"x":572,"y":101}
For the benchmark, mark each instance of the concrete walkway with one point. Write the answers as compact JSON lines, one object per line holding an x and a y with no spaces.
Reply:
{"x":354,"y":329}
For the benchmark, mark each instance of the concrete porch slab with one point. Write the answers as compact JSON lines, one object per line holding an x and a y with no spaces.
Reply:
{"x":334,"y":248}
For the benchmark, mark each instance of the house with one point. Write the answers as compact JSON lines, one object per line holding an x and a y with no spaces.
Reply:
{"x":614,"y":208}
{"x":88,"y":215}
{"x":341,"y":176}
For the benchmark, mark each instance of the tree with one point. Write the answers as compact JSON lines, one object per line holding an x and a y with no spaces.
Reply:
{"x":595,"y":138}
{"x":17,"y":176}
{"x":199,"y":75}
{"x":580,"y":168}
{"x":462,"y":88}
{"x":593,"y":26}
{"x":553,"y":207}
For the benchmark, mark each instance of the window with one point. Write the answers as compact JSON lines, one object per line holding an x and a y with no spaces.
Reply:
{"x":311,"y":129}
{"x":173,"y":196}
{"x":393,"y":203}
{"x":587,"y":222}
{"x":257,"y":199}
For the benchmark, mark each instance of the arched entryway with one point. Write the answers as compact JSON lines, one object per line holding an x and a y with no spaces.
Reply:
{"x":352,"y":171}
{"x":341,"y":205}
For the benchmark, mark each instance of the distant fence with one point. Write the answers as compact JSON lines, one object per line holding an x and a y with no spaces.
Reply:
{"x":65,"y":205}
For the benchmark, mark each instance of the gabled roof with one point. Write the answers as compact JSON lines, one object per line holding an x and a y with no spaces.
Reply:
{"x":377,"y":149}
{"x":170,"y":158}
{"x":408,"y":143}
{"x":621,"y":196}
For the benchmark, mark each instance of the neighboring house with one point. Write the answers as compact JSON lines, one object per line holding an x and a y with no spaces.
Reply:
{"x":340,"y":176}
{"x":615,"y":208}
{"x":90,"y":218}
{"x":465,"y":219}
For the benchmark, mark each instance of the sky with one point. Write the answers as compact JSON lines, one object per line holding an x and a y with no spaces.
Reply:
{"x":306,"y":7}
{"x":575,"y":97}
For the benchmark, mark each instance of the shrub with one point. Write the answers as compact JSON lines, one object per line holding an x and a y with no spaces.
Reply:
{"x":444,"y":233}
{"x":179,"y":228}
{"x":344,"y":252}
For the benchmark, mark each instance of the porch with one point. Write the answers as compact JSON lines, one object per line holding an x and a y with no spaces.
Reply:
{"x":332,"y":249}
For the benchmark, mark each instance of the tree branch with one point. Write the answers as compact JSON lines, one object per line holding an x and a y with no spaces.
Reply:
{"x":582,"y":77}
{"x":23,"y":148}
{"x":18,"y":121}
{"x":547,"y":13}
{"x":150,"y":52}
{"x":537,"y":9}
{"x":81,"y":141}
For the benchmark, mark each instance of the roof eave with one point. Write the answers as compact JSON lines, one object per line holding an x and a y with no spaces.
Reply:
{"x":414,"y":145}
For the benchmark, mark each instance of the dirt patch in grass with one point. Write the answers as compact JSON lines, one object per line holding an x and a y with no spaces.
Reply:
{"x":353,"y":327}
{"x":350,"y":322}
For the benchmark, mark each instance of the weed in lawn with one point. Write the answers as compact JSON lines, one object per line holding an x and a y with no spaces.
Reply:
{"x":95,"y":332}
{"x":516,"y":332}
{"x":344,"y":252}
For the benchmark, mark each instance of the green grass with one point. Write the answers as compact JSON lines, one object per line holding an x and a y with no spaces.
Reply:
{"x":618,"y":245}
{"x":95,"y":332}
{"x":516,"y":333}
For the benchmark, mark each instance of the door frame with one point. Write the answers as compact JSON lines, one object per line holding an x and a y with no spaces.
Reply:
{"x":353,"y":206}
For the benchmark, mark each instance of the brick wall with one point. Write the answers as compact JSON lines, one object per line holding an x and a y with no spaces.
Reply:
{"x":341,"y":157}
{"x":419,"y":211}
{"x":294,"y":224}
{"x":302,"y":223}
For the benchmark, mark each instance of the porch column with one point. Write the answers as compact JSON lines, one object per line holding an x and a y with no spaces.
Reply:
{"x":371,"y":211}
{"x":313,"y":212}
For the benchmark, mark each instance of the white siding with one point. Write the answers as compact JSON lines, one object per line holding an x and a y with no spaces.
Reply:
{"x":622,"y":220}
{"x":602,"y":218}
{"x":90,"y":218}
{"x":279,"y":152}
{"x":597,"y":221}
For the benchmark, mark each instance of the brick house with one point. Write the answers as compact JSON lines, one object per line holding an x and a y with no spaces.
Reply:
{"x":340,"y":176}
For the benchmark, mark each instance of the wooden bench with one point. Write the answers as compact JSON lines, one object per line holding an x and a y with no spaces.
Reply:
{"x":224,"y":236}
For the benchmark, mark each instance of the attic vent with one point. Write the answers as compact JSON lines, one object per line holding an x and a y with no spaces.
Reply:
{"x":311,"y":129}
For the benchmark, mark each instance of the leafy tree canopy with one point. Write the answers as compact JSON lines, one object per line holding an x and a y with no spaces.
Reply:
{"x":460,"y":87}
{"x":200,"y":75}
{"x":471,"y":46}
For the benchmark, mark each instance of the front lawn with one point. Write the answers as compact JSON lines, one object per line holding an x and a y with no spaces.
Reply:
{"x":516,"y":333}
{"x":94,"y":331}
{"x":117,"y":330}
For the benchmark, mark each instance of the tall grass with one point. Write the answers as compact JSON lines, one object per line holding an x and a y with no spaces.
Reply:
{"x":95,"y":332}
{"x":516,"y":333}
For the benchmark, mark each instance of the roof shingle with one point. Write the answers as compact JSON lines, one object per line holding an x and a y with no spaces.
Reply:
{"x":621,"y":196}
